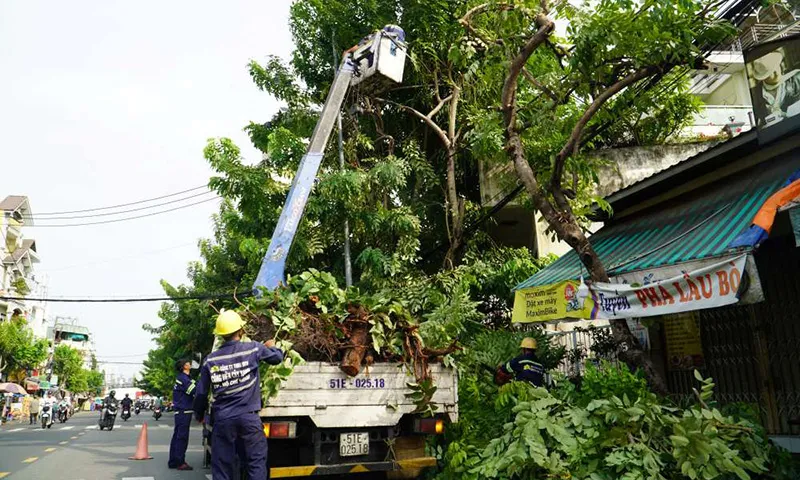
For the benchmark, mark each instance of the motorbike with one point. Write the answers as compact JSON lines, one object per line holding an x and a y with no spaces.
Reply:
{"x":126,"y":413}
{"x":47,"y":417}
{"x":63,"y":413}
{"x":156,"y":412}
{"x":108,"y":417}
{"x":137,"y":410}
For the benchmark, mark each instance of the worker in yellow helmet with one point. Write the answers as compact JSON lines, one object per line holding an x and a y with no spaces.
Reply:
{"x":526,"y":366}
{"x":231,"y":375}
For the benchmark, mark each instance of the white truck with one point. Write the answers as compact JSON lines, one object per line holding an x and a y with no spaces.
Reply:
{"x":323,"y":422}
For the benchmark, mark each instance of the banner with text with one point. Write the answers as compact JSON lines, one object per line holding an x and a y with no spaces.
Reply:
{"x":550,"y":302}
{"x":712,"y":286}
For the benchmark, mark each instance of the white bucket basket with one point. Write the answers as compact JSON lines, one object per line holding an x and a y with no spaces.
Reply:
{"x":382,"y":55}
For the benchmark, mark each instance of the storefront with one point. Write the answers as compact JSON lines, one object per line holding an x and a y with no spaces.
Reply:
{"x":720,"y":295}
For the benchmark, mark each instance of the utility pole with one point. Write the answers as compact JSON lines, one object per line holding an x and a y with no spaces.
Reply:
{"x":348,"y":269}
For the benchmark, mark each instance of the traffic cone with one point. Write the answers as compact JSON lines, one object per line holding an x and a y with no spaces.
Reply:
{"x":141,"y":446}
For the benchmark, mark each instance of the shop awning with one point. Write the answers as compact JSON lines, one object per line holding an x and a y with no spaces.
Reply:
{"x":699,"y":225}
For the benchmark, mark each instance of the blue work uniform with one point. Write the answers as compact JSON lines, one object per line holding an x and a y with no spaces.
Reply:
{"x":182,"y":398}
{"x":526,"y":368}
{"x":231,"y":374}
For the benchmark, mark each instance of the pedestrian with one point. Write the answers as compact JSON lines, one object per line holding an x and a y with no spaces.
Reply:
{"x":35,"y":405}
{"x":183,"y":396}
{"x":526,"y":367}
{"x":231,"y":375}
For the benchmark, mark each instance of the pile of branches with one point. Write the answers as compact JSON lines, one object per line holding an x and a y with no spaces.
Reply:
{"x":321,"y":322}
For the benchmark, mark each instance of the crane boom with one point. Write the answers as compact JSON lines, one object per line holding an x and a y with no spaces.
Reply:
{"x":382,"y":53}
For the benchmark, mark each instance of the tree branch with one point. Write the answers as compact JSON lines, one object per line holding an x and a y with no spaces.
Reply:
{"x":529,"y":76}
{"x":573,"y":143}
{"x":431,"y":124}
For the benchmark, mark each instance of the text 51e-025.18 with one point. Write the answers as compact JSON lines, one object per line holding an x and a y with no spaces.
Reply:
{"x":340,"y":383}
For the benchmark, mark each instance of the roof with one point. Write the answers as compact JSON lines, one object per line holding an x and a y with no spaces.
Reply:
{"x":20,"y":252}
{"x":70,"y":328}
{"x":699,"y":225}
{"x":684,"y":171}
{"x":12,"y":202}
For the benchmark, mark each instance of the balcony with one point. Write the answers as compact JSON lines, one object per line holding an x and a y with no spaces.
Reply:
{"x":760,"y":33}
{"x":711,"y":121}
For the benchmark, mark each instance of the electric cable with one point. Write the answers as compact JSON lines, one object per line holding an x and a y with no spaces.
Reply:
{"x":123,"y":204}
{"x":39,"y":217}
{"x":124,"y":219}
{"x":211,"y":296}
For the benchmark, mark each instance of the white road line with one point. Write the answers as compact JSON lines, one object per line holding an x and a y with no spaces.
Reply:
{"x":91,"y":427}
{"x":67,"y":428}
{"x":208,"y":476}
{"x":16,"y":430}
{"x":137,"y":426}
{"x":138,"y":478}
{"x":161,"y":425}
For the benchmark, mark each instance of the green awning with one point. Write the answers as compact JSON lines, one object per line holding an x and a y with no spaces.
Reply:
{"x":697,"y":225}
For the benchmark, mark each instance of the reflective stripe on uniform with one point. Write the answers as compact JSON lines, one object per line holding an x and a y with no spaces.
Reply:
{"x":238,"y":389}
{"x":212,"y":358}
{"x":191,"y":387}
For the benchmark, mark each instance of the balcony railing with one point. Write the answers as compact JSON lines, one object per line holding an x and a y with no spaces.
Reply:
{"x":760,"y":33}
{"x":713,"y":118}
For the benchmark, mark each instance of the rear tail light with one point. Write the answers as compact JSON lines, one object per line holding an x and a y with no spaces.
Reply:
{"x":280,"y":430}
{"x":433,"y":426}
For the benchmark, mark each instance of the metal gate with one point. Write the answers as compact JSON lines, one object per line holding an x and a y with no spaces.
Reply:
{"x":753,"y":352}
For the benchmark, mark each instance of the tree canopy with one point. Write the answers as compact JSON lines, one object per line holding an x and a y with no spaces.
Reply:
{"x":19,"y":350}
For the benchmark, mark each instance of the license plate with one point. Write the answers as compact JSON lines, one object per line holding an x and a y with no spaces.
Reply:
{"x":353,"y":444}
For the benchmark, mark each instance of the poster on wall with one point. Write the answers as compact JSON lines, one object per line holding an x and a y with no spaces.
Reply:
{"x":684,"y":346}
{"x":773,"y":71}
{"x":551,"y":302}
{"x":712,"y":286}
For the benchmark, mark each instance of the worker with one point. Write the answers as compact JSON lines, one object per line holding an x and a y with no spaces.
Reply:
{"x":231,"y":375}
{"x":183,"y":396}
{"x":526,"y":367}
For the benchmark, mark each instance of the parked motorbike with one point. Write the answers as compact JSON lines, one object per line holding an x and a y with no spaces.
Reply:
{"x":63,"y":413}
{"x":47,"y":417}
{"x":108,"y":416}
{"x":156,"y":412}
{"x":126,"y":413}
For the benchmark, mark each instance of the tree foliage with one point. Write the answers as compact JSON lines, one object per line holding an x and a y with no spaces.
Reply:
{"x":68,"y":365}
{"x":19,"y":350}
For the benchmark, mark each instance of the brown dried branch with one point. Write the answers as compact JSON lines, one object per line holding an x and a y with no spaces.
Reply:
{"x":428,"y":121}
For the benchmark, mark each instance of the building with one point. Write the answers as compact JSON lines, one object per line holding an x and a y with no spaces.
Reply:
{"x":67,"y":331}
{"x":19,"y":257}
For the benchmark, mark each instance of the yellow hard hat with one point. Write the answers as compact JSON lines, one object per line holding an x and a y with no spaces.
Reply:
{"x":529,"y":343}
{"x":228,"y":322}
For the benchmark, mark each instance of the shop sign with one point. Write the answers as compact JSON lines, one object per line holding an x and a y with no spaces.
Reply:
{"x":550,"y":302}
{"x":684,"y":347}
{"x":712,"y":286}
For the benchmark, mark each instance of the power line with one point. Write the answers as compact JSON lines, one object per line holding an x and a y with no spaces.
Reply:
{"x":211,"y":296}
{"x":125,"y":204}
{"x":38,"y":217}
{"x":123,"y":219}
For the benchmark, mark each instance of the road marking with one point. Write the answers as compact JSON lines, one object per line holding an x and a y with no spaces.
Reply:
{"x":51,"y":449}
{"x":4,"y":474}
{"x":73,"y":438}
{"x":62,"y":443}
{"x":137,"y":426}
{"x":67,"y":428}
{"x":16,"y":430}
{"x":208,"y":476}
{"x":163,"y":426}
{"x":91,"y":427}
{"x":30,"y":459}
{"x":138,"y":478}
{"x":82,"y":433}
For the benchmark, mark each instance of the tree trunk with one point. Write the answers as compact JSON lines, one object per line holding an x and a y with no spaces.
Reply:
{"x":456,"y":207}
{"x":357,"y":329}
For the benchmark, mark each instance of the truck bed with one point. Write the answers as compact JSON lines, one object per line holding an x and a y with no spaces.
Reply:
{"x":376,"y":397}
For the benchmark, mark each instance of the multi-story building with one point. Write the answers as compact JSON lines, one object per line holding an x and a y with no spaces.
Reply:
{"x":67,"y":331}
{"x":17,"y":270}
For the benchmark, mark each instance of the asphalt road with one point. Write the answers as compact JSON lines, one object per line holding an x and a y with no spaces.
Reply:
{"x":78,"y":450}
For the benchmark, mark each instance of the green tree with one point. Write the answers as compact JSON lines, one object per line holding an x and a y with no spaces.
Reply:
{"x":557,"y":96}
{"x":68,"y":365}
{"x":95,"y":381}
{"x":19,"y":350}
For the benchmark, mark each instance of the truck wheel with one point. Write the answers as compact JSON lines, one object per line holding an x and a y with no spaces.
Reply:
{"x":405,"y":448}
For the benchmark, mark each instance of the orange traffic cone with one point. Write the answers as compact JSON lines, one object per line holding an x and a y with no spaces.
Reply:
{"x":141,"y":446}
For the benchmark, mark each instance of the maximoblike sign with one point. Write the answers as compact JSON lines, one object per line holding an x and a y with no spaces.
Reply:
{"x":711,"y":286}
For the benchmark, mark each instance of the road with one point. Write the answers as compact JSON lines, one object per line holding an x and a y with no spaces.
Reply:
{"x":78,"y":450}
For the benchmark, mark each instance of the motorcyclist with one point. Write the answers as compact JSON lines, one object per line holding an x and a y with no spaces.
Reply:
{"x":110,"y":399}
{"x":126,"y":402}
{"x":65,"y":405}
{"x":49,"y":403}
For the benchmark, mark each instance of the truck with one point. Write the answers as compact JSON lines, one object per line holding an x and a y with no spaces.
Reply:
{"x":323,"y":422}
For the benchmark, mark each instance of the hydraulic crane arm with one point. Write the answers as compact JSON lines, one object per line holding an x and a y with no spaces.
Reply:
{"x":383,"y":53}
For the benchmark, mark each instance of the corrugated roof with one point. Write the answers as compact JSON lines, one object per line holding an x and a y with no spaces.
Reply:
{"x":699,"y":225}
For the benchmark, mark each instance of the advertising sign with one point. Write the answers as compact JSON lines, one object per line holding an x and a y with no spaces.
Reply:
{"x":684,"y":347}
{"x":773,"y":70}
{"x":550,"y":302}
{"x":712,"y":286}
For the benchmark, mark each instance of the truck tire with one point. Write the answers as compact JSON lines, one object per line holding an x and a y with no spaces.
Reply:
{"x":404,"y":448}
